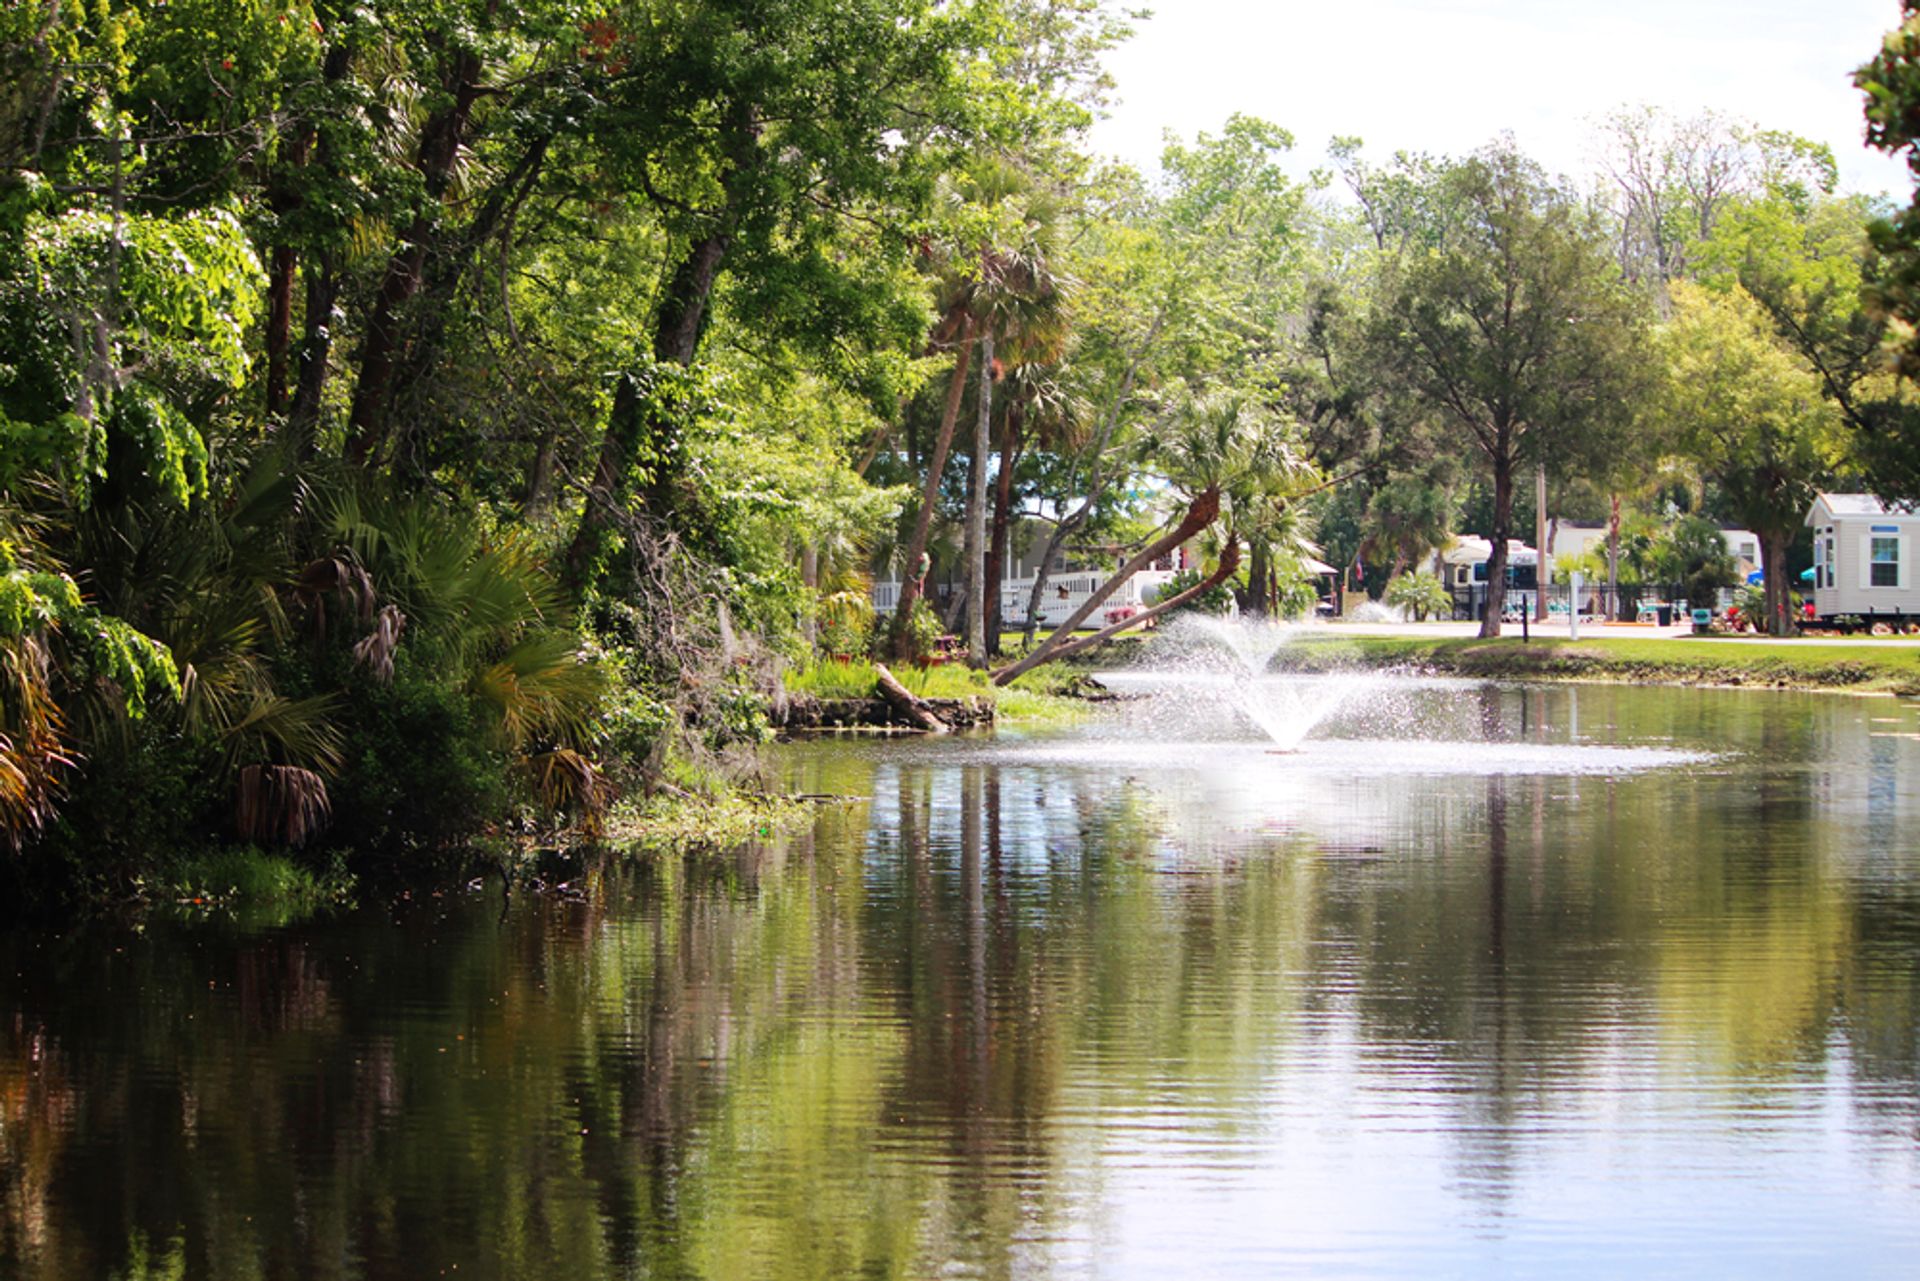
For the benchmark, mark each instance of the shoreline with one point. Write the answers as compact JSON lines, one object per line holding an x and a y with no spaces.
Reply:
{"x":1862,"y":669}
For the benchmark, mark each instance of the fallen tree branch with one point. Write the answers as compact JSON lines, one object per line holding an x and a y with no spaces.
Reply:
{"x":915,"y":710}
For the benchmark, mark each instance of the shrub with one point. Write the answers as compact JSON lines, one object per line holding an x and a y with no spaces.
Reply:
{"x":1421,"y":594}
{"x":846,"y":623}
{"x":921,"y":631}
{"x":423,"y":771}
{"x":1751,"y":600}
{"x":1216,"y":600}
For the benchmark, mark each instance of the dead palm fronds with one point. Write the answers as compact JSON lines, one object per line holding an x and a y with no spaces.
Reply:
{"x":568,"y":782}
{"x":280,"y":804}
{"x":375,"y":651}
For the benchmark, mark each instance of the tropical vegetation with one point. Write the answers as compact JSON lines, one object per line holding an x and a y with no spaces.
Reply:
{"x":427,"y":423}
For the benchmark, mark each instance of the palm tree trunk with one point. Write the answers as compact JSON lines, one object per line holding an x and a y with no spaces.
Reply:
{"x":910,"y":574}
{"x":1201,"y":513}
{"x":1229,"y":561}
{"x":1253,"y":601}
{"x":976,"y":558}
{"x":1002,"y":519}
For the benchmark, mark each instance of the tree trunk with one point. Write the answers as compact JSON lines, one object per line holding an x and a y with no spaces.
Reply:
{"x":443,"y":268}
{"x":1773,"y":547}
{"x":1254,"y":600}
{"x":315,"y":359}
{"x":676,"y":339}
{"x":1613,"y":554}
{"x":1502,"y":531}
{"x":810,"y":579}
{"x":1201,"y":513}
{"x":1540,"y":540}
{"x":976,"y":550}
{"x":279,"y":327}
{"x":439,"y":149}
{"x":539,"y":490}
{"x":1002,"y":521}
{"x":618,"y":449}
{"x":910,"y":572}
{"x":1229,"y":561}
{"x":903,"y":701}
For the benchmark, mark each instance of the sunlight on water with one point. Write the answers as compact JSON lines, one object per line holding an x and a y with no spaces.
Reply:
{"x":1481,"y":981}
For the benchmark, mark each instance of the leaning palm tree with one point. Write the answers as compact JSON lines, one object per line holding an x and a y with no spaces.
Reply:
{"x":1212,"y":450}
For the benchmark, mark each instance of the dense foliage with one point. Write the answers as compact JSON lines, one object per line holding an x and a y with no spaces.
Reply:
{"x":423,"y":422}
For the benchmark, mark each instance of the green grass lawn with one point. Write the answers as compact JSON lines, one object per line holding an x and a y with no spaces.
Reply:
{"x":1864,"y":666}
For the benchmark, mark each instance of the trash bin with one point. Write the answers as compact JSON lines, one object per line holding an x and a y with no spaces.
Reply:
{"x":1666,"y":615}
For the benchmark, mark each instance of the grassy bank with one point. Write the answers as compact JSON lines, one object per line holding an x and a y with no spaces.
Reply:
{"x":1865,"y":667}
{"x":1042,"y":696}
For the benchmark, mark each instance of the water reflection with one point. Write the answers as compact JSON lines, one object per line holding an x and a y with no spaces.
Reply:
{"x":1023,"y":1014}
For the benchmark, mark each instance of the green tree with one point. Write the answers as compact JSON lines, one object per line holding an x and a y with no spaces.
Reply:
{"x":756,"y":135}
{"x":1516,"y":336}
{"x":1751,"y":417}
{"x":1692,"y":554}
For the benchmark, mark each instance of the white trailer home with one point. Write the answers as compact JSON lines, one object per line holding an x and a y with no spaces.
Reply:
{"x":1065,"y":593}
{"x":1863,"y":553}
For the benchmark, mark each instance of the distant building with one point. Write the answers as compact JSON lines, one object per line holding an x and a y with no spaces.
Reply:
{"x":1077,"y":573}
{"x":1744,"y":546}
{"x":1463,"y":568}
{"x":1576,"y":538}
{"x":1464,"y":562}
{"x":1863,"y":553}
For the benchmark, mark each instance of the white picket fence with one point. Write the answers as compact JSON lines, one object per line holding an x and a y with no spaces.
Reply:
{"x":1065,"y":593}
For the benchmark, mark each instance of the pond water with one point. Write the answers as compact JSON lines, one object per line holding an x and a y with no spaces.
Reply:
{"x":1602,"y":981}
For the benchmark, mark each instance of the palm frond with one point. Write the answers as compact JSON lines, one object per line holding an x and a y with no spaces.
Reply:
{"x":280,"y":804}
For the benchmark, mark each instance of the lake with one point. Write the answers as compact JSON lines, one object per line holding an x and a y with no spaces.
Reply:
{"x":1482,"y":980}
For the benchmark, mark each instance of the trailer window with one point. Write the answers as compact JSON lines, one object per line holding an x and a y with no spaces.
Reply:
{"x":1886,"y":562}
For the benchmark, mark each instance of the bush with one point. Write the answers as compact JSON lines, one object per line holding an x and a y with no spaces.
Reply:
{"x":423,"y":771}
{"x":1421,"y":594}
{"x":1751,"y":600}
{"x":634,"y":727}
{"x":920,"y":630}
{"x":1217,"y":600}
{"x":846,"y":623}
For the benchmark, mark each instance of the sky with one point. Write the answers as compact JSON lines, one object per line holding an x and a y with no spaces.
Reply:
{"x":1447,"y":76}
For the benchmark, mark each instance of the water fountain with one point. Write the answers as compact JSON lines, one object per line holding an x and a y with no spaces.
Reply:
{"x":1204,"y":671}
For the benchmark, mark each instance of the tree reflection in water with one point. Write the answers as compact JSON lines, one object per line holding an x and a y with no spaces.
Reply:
{"x":1005,"y":1019}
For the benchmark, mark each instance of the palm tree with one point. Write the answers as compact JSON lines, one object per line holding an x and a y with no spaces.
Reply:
{"x":1217,"y":450}
{"x":1006,"y":289}
{"x":1407,"y":518}
{"x":1041,"y":410}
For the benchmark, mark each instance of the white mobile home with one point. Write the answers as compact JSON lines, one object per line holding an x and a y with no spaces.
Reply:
{"x":1863,"y":553}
